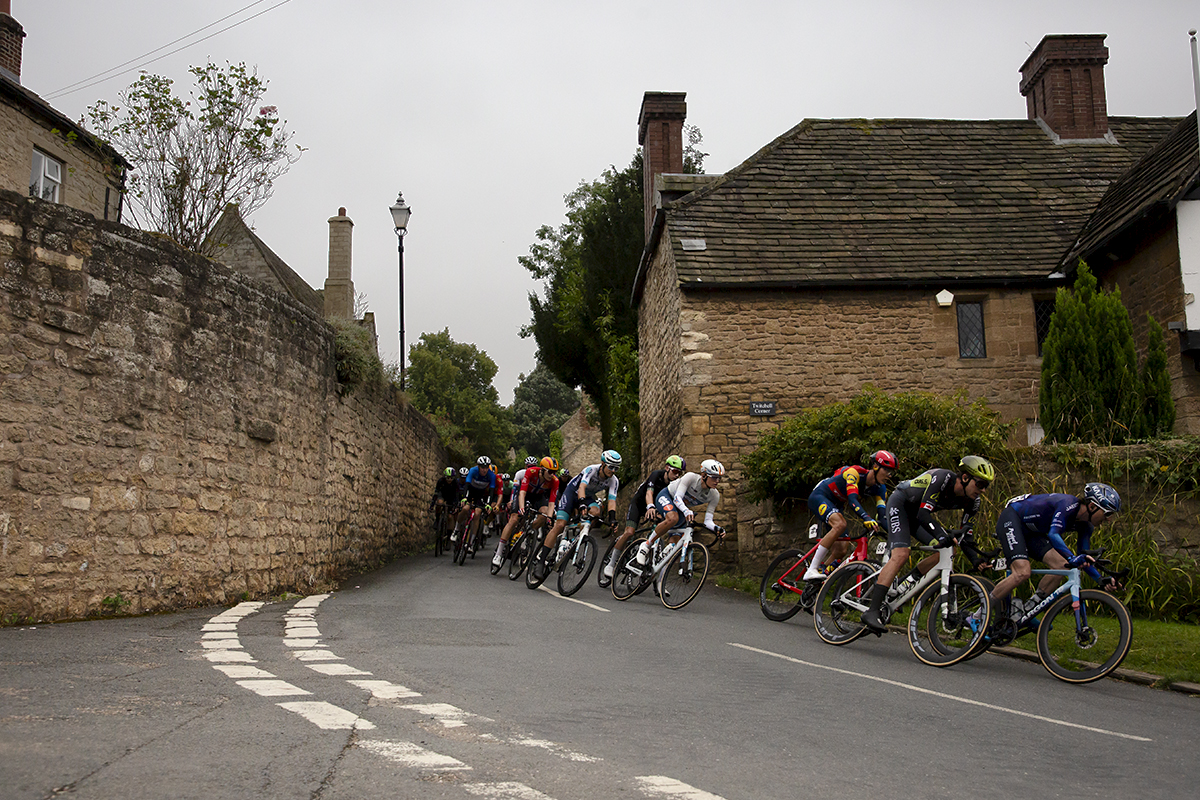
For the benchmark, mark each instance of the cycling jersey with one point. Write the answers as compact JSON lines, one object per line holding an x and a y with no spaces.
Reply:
{"x":687,"y":491}
{"x":637,"y":504}
{"x":538,"y":484}
{"x":829,"y":496}
{"x":447,"y":489}
{"x":1043,"y":517}
{"x":592,"y":483}
{"x":911,"y":507}
{"x":481,"y":485}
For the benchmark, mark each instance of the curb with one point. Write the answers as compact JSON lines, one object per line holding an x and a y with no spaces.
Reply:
{"x":1120,"y":673}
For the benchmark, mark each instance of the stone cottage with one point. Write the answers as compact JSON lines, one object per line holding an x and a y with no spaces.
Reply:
{"x":42,"y":152}
{"x":910,"y":254}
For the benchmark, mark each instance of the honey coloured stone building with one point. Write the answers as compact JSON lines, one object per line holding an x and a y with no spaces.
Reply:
{"x":911,"y":254}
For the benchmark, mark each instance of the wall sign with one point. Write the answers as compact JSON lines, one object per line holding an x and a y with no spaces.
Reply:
{"x":762,"y":408}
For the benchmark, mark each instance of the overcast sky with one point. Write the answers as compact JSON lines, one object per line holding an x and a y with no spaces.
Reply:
{"x":485,"y":114}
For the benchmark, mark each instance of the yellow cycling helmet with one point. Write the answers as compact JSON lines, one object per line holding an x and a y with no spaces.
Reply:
{"x":550,"y":463}
{"x":977,"y":467}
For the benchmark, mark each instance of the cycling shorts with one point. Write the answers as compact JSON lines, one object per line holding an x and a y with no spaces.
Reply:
{"x":902,"y":524}
{"x":1017,"y":543}
{"x":536,"y":500}
{"x":568,"y":502}
{"x":479,"y":497}
{"x":822,"y":505}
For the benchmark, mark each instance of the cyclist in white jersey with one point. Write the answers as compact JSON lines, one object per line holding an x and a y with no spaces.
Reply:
{"x":675,"y":502}
{"x":581,"y":490}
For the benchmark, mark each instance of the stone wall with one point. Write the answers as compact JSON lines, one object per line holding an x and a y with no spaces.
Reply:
{"x":660,"y":356}
{"x":172,"y":431}
{"x":86,"y":182}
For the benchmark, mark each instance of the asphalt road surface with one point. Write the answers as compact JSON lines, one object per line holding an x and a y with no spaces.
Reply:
{"x":428,"y":680}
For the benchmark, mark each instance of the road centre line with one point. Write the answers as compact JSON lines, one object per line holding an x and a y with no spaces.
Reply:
{"x":327,"y":716}
{"x":505,"y":790}
{"x":662,"y":786}
{"x":410,"y":755}
{"x":553,"y":593}
{"x":944,"y":696}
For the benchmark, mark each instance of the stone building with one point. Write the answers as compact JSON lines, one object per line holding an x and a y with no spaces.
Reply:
{"x":42,"y":152}
{"x":905,"y":253}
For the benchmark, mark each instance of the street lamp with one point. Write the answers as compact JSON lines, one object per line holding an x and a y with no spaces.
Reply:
{"x":400,"y":215}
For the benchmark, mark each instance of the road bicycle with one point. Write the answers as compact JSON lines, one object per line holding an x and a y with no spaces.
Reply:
{"x":524,"y":540}
{"x":469,"y":541}
{"x":783,"y":591}
{"x":1081,"y":634}
{"x":949,"y":612}
{"x":573,"y":558}
{"x":441,"y":529}
{"x":610,"y":553}
{"x":676,"y":570}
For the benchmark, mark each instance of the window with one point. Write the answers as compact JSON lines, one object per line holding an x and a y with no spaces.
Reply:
{"x":971,"y":342}
{"x":1042,"y":311}
{"x":45,"y":179}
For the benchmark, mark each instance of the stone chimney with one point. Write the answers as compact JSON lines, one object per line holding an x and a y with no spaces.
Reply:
{"x":339,"y":289}
{"x":1063,"y":85}
{"x":660,"y":133}
{"x":11,"y":34}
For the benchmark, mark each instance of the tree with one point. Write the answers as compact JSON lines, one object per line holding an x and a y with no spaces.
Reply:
{"x":541,"y":404}
{"x":452,"y":382}
{"x":192,"y":158}
{"x":584,"y":325}
{"x":1091,"y":388}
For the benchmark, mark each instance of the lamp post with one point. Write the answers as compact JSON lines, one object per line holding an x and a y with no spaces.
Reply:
{"x":400,"y":215}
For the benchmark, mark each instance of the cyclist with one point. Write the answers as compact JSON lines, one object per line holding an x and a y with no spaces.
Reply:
{"x":536,"y":486}
{"x":910,"y":511}
{"x":446,"y":491}
{"x":641,"y":506}
{"x":481,"y":492}
{"x":582,"y":490}
{"x":843,"y":488}
{"x":674,"y":502}
{"x":1033,"y":526}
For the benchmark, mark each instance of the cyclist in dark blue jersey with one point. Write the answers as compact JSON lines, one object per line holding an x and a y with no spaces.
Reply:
{"x":1032,"y":526}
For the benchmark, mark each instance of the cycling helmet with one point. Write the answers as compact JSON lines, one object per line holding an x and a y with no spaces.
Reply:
{"x":884,"y":458}
{"x":463,"y":471}
{"x":710,"y":466}
{"x":1104,"y":496}
{"x":610,"y":458}
{"x":564,"y":473}
{"x":483,"y":461}
{"x":977,"y":467}
{"x":550,"y":463}
{"x":506,"y":477}
{"x":448,"y":472}
{"x":675,"y":462}
{"x":531,"y":461}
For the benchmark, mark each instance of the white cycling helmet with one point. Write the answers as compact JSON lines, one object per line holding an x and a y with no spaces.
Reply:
{"x":610,"y":458}
{"x":483,"y":461}
{"x":531,"y":461}
{"x":710,"y":466}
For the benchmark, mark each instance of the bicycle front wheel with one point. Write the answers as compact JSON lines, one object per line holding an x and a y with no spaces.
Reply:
{"x":782,"y":586}
{"x":683,"y":577}
{"x":578,"y":567}
{"x":841,"y":602}
{"x":945,"y":629}
{"x":628,"y":576}
{"x":608,"y":556}
{"x":518,"y":556}
{"x":1085,"y":645}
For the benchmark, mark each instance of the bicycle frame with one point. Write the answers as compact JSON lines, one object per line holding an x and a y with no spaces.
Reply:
{"x":860,"y":553}
{"x":1073,"y":584}
{"x":856,"y":596}
{"x":661,"y":557}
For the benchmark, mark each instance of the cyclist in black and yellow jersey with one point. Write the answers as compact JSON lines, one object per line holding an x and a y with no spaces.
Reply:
{"x":910,"y":511}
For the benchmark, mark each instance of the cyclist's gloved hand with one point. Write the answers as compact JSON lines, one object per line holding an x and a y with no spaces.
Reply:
{"x":612,"y":518}
{"x":871,"y":525}
{"x":945,"y":540}
{"x":718,"y":530}
{"x":1075,"y":562}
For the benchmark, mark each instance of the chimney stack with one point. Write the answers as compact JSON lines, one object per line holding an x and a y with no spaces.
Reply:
{"x":339,"y":288}
{"x":660,"y":133}
{"x":1062,"y":82}
{"x":11,"y":34}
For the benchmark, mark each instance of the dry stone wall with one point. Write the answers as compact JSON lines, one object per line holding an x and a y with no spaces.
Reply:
{"x":172,"y":431}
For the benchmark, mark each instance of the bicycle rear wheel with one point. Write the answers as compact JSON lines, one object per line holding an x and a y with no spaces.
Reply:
{"x":625,"y":582}
{"x":944,"y":630}
{"x":438,"y":520}
{"x":578,"y":567}
{"x":683,"y":577}
{"x":1085,"y":646}
{"x":782,"y":586}
{"x":518,"y":554}
{"x":608,"y":556}
{"x":838,"y":610}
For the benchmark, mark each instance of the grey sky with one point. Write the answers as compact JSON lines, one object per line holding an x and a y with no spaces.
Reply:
{"x":486,"y":113}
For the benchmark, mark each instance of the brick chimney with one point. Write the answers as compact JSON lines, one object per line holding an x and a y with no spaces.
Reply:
{"x":11,"y":34}
{"x":660,"y":133}
{"x":1063,"y":85}
{"x":339,"y":289}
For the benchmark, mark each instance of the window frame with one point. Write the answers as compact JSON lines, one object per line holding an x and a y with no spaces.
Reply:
{"x":44,"y":177}
{"x":1038,"y":335}
{"x":959,"y":307}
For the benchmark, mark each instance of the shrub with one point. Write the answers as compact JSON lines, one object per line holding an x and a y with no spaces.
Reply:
{"x":357,"y":361}
{"x":925,"y":430}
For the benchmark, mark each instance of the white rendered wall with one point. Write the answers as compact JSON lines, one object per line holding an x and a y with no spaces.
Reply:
{"x":1187,"y":216}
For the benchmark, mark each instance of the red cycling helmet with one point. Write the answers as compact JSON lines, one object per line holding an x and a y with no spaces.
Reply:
{"x":884,"y":458}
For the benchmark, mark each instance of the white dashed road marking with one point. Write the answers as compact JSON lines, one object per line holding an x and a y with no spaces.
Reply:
{"x":411,"y":755}
{"x":508,"y":790}
{"x":662,"y":786}
{"x":271,"y":688}
{"x":553,"y":593}
{"x":385,"y":690}
{"x":327,"y":716}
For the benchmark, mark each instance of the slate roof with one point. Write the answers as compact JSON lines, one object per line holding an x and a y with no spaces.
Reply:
{"x":897,"y":200}
{"x":1162,"y":177}
{"x":56,"y":119}
{"x":230,"y":225}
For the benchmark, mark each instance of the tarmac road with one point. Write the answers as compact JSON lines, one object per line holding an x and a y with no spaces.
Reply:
{"x":428,"y":680}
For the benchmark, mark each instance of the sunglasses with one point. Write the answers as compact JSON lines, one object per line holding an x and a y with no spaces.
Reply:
{"x":981,"y":484}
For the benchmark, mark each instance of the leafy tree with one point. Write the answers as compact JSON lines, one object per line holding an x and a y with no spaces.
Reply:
{"x":541,"y":404}
{"x":584,"y":325}
{"x":1091,"y":389}
{"x":452,"y":382}
{"x":192,"y":158}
